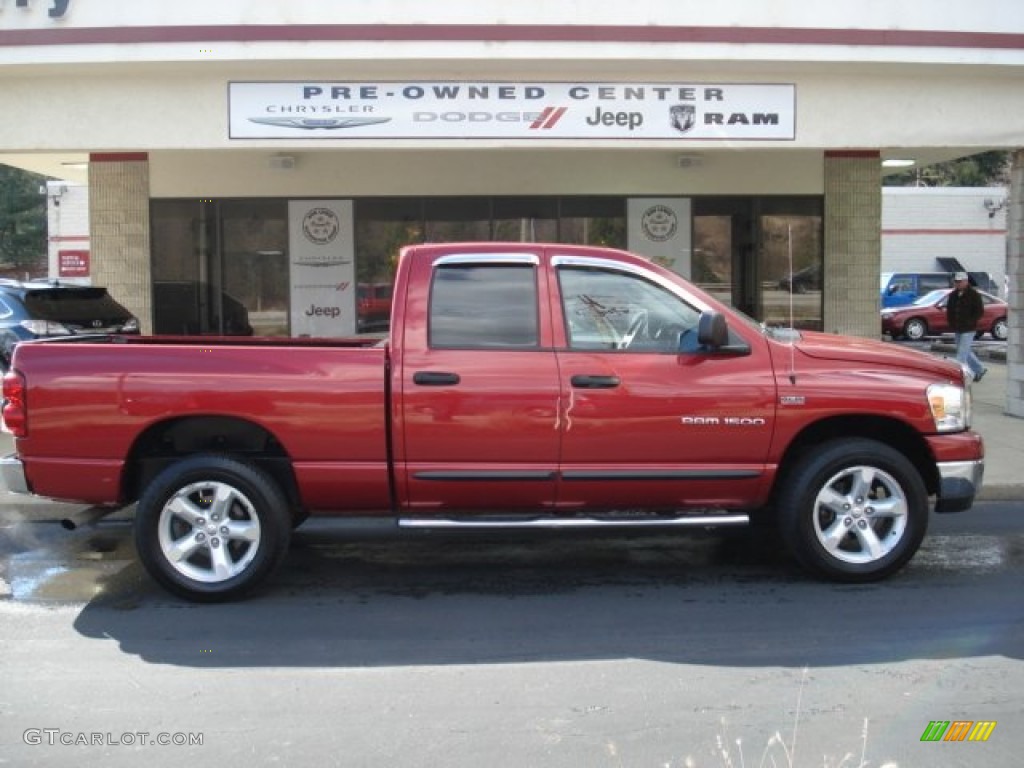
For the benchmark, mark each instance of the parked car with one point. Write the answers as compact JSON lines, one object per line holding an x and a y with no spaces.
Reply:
{"x":898,"y":289}
{"x":803,"y":280}
{"x":927,"y":316}
{"x":179,"y":307}
{"x":34,"y":310}
{"x":901,"y":288}
{"x":374,"y":306}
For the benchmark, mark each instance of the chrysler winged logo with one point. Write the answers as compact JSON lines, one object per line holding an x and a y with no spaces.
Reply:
{"x":323,"y":123}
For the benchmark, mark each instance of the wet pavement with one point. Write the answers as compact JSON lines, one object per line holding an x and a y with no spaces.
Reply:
{"x":330,"y":559}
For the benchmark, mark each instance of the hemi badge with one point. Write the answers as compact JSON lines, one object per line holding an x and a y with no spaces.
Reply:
{"x":792,"y":400}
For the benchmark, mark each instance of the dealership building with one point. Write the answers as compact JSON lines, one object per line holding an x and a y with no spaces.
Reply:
{"x":276,"y":155}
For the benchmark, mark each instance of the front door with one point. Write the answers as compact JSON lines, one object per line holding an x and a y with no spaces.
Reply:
{"x":646,"y":424}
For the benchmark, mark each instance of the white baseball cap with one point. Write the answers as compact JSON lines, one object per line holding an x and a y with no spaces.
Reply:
{"x":960,"y":276}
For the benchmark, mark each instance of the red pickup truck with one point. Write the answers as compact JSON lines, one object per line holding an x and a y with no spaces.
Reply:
{"x":522,"y":385}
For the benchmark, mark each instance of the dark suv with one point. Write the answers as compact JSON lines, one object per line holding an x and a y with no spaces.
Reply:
{"x":37,"y":310}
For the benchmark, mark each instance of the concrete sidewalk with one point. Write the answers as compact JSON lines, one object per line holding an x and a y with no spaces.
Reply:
{"x":1004,"y":437}
{"x":1003,"y":434}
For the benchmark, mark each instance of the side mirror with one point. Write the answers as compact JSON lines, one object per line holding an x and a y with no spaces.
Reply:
{"x":712,"y":332}
{"x":711,"y":336}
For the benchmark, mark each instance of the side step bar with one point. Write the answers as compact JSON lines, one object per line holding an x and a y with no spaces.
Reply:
{"x":467,"y":523}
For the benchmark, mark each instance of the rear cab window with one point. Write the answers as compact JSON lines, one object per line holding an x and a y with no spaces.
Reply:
{"x":489,"y":303}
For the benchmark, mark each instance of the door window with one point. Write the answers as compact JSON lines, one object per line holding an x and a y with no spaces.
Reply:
{"x":492,"y":306}
{"x":611,"y":310}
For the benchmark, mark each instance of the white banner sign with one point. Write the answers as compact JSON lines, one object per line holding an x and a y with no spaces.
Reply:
{"x":485,"y":110}
{"x":322,"y":268}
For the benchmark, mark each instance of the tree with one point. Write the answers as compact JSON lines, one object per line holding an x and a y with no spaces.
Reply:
{"x":988,"y":169}
{"x":22,"y":222}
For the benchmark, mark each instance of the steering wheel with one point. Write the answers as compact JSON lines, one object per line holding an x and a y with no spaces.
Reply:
{"x":637,"y":324}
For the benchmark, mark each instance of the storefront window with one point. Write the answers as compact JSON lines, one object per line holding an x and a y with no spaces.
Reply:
{"x":253,"y":269}
{"x":454,"y":219}
{"x":525,"y":219}
{"x":382,"y":228}
{"x":221,"y":267}
{"x":763,"y":256}
{"x":182,"y":234}
{"x":593,"y":221}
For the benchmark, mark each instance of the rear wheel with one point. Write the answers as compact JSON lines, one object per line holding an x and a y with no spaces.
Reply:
{"x":211,"y":528}
{"x":1000,"y":329}
{"x":853,"y":510}
{"x":915,"y":329}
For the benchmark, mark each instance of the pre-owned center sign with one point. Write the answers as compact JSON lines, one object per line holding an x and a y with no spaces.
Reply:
{"x":489,"y":110}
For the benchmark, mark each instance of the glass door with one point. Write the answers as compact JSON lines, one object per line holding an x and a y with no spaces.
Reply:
{"x":220,"y":267}
{"x":249,"y":276}
{"x":763,"y":256}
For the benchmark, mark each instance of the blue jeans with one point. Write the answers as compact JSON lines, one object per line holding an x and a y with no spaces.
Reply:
{"x":965,"y":354}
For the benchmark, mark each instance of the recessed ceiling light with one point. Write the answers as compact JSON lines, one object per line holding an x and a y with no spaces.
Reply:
{"x":896,"y":162}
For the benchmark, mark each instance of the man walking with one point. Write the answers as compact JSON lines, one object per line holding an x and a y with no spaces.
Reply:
{"x":963,"y":310}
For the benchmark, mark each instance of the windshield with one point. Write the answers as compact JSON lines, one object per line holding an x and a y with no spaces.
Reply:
{"x":932,"y":297}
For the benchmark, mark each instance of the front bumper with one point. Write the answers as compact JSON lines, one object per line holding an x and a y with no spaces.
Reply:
{"x":959,"y":483}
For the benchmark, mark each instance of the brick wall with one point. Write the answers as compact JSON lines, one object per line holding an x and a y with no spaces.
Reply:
{"x":1015,"y":272}
{"x":119,"y":231}
{"x":853,"y":204}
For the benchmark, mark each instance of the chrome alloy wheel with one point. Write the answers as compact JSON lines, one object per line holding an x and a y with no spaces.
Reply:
{"x":209,"y":531}
{"x":860,"y":515}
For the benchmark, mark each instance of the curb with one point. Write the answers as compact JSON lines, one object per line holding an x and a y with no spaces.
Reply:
{"x":1009,"y":492}
{"x":988,"y":353}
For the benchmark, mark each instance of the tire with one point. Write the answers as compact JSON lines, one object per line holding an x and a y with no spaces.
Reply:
{"x":915,"y":329}
{"x":853,"y":510}
{"x":1000,"y":329}
{"x":193,"y":554}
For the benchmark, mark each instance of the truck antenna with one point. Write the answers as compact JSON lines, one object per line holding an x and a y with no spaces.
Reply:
{"x":792,"y":321}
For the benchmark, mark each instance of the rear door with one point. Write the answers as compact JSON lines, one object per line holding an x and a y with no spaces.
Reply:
{"x":645,"y":424}
{"x":477,"y":406}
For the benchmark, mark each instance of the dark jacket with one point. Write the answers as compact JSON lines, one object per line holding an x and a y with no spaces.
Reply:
{"x":964,"y":310}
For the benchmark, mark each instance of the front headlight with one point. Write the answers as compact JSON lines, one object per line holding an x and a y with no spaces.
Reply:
{"x":950,"y":406}
{"x":131,"y":325}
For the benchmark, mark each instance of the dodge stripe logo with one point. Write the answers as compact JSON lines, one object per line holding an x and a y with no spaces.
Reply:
{"x":548,"y":118}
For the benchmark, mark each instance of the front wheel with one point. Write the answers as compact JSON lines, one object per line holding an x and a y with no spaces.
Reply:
{"x":853,"y":510}
{"x":1000,"y":329}
{"x":210,"y":528}
{"x":915,"y":329}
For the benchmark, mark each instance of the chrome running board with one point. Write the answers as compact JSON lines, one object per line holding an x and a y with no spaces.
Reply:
{"x":692,"y":521}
